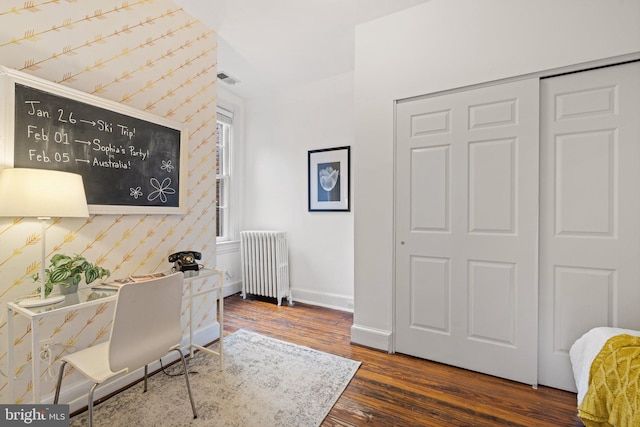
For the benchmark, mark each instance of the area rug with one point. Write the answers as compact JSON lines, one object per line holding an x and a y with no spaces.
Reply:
{"x":265,"y":382}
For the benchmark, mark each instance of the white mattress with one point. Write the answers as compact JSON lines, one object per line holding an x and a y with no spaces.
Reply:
{"x":585,"y":349}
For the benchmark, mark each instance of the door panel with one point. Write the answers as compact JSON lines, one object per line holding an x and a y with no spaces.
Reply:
{"x":491,"y":190}
{"x":466,"y":229}
{"x":430,"y":200}
{"x":590,"y":210}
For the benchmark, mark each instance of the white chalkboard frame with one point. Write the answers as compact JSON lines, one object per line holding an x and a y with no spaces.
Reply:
{"x":9,"y":78}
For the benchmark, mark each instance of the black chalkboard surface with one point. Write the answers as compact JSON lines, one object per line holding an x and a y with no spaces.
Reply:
{"x":125,"y":160}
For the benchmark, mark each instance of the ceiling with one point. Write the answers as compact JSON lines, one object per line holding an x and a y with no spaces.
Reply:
{"x":270,"y":45}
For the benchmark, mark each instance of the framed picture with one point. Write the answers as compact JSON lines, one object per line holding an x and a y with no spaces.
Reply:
{"x":329,"y":179}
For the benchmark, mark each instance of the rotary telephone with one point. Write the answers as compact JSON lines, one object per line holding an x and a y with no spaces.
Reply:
{"x":185,"y":261}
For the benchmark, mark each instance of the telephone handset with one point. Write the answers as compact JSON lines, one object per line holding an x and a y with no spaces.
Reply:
{"x":184,"y":254}
{"x":185,"y":261}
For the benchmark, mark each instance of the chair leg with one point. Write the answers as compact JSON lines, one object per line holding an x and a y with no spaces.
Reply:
{"x":59,"y":383}
{"x":146,"y":371}
{"x":57,"y":395}
{"x":93,"y":388}
{"x":186,"y":377}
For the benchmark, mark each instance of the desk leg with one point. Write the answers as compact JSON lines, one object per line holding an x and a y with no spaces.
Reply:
{"x":35,"y":360}
{"x":191,"y":319}
{"x":221,"y":315}
{"x":10,"y":356}
{"x":220,"y":318}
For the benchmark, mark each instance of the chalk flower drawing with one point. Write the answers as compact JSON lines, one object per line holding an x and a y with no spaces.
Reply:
{"x":161,"y":190}
{"x":167,"y":166}
{"x":135,"y":192}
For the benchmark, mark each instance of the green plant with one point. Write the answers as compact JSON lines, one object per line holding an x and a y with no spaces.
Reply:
{"x":68,"y":271}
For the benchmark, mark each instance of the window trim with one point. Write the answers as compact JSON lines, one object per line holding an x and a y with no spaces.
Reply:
{"x":225,"y":117}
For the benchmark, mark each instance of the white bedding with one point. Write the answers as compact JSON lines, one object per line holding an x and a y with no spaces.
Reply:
{"x":585,"y":349}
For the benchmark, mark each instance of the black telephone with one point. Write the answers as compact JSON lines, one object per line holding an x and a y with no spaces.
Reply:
{"x":185,"y":261}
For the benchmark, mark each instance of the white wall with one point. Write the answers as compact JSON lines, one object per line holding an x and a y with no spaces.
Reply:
{"x":279,"y":131}
{"x":442,"y":45}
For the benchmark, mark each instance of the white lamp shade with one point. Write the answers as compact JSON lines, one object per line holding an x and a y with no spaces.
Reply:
{"x":42,"y":193}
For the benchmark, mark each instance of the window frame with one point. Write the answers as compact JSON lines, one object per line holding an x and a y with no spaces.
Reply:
{"x":224,"y":150}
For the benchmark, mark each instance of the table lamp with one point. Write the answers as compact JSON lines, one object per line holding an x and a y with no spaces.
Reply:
{"x":42,"y":194}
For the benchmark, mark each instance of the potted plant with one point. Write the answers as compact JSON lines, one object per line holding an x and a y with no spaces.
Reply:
{"x":67,"y":271}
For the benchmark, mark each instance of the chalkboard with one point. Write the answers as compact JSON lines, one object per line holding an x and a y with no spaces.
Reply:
{"x":130,"y":161}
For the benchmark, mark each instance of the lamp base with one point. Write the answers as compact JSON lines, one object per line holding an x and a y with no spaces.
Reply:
{"x":37,"y":301}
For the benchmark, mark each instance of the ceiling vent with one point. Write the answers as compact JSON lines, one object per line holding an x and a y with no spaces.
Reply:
{"x":228,"y":79}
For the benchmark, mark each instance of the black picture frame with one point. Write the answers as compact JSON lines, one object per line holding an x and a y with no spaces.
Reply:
{"x":329,"y":179}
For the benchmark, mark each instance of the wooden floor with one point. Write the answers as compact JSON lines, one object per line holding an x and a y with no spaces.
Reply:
{"x":399,"y":390}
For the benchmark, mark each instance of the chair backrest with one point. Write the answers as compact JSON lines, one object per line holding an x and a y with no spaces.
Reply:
{"x":146,"y":322}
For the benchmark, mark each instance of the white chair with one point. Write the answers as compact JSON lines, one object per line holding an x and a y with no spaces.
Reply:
{"x":146,"y":326}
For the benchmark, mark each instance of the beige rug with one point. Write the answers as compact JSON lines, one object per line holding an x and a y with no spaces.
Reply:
{"x":265,"y":382}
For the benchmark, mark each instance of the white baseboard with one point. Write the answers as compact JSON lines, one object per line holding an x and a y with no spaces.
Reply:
{"x":323,"y":299}
{"x":231,"y":288}
{"x":370,"y":337}
{"x":76,"y":394}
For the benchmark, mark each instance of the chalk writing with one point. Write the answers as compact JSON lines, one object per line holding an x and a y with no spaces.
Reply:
{"x":34,"y":111}
{"x":121,"y":157}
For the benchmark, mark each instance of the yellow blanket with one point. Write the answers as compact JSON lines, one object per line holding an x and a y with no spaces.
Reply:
{"x":612,"y":397}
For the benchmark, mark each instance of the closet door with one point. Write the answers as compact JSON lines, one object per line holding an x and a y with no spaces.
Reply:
{"x":466,"y":216}
{"x":590,"y":210}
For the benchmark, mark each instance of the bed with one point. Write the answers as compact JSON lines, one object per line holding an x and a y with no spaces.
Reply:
{"x":606,"y":368}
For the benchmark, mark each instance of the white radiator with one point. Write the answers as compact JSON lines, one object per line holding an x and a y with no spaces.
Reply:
{"x":265,"y":264}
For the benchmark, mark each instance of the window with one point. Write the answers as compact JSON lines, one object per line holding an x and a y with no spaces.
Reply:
{"x":223,"y":175}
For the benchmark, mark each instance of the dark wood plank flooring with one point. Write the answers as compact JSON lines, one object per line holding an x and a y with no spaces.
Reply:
{"x":399,"y":390}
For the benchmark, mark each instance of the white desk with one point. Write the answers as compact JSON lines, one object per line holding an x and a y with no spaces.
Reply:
{"x":87,"y":297}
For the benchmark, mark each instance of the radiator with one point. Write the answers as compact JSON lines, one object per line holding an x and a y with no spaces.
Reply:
{"x":265,"y":264}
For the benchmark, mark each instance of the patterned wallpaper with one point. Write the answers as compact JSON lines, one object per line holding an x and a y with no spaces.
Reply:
{"x":147,"y":54}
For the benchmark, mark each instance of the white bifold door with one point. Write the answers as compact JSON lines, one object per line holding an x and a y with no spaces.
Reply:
{"x":517,"y":221}
{"x":467,"y":228}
